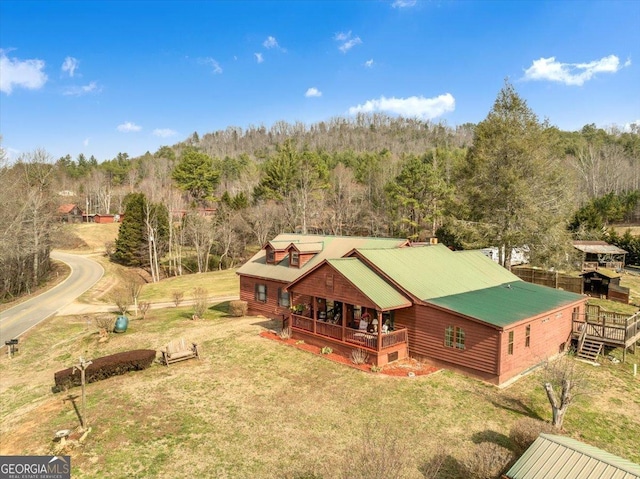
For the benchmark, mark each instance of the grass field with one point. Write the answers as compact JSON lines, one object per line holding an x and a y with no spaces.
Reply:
{"x":222,"y":283}
{"x":255,"y":408}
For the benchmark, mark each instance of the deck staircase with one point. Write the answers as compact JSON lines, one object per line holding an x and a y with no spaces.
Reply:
{"x":589,"y":350}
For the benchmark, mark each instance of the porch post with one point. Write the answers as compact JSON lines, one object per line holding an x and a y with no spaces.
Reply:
{"x":344,"y":320}
{"x":315,"y":314}
{"x":379,"y":330}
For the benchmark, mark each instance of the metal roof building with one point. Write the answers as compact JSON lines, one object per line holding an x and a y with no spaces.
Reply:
{"x":560,"y":457}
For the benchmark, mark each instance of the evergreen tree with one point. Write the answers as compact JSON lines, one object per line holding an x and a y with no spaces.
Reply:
{"x":417,"y":196}
{"x":513,"y":188}
{"x":131,"y":244}
{"x":195,"y":173}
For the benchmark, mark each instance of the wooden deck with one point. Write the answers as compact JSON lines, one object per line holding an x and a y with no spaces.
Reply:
{"x":610,"y":329}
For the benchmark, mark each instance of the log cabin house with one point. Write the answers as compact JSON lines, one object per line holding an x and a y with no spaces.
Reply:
{"x":457,"y":310}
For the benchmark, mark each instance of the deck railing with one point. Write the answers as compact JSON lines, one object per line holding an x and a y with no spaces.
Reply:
{"x":362,"y":339}
{"x":606,"y":325}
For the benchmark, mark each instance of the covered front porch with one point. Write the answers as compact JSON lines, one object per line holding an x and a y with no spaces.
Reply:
{"x":343,"y":304}
{"x":346,"y":327}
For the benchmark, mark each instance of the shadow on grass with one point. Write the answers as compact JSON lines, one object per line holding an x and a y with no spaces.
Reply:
{"x":443,"y":466}
{"x":491,"y":436}
{"x":266,"y":323}
{"x":515,"y":405}
{"x":221,"y":308}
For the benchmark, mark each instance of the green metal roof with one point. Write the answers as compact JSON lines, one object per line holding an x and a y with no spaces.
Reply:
{"x":435,"y":271}
{"x":507,"y":303}
{"x":553,"y":456}
{"x":332,"y":247}
{"x":308,"y":247}
{"x":372,"y":286}
{"x":468,"y":283}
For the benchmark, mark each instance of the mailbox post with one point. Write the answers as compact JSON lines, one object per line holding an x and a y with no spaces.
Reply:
{"x":11,"y":347}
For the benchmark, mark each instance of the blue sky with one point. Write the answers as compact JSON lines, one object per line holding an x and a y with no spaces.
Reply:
{"x":105,"y":77}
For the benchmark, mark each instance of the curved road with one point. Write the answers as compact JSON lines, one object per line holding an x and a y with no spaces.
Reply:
{"x":84,"y":274}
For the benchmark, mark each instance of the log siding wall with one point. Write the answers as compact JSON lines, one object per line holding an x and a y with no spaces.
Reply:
{"x":426,"y":328}
{"x":550,"y":335}
{"x":270,"y":308}
{"x":327,"y":283}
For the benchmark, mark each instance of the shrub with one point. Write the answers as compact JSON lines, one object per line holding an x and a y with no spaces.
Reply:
{"x":376,"y":369}
{"x":105,"y":323}
{"x":284,"y":333}
{"x":326,"y":350}
{"x":105,"y":367}
{"x":487,"y":460}
{"x":238,"y":309}
{"x":525,"y":431}
{"x":200,"y":302}
{"x":379,"y":453}
{"x":177,"y":296}
{"x":359,"y":356}
{"x":144,"y":308}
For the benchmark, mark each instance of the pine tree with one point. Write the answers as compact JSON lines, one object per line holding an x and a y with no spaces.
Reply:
{"x":131,"y":242}
{"x":513,"y":187}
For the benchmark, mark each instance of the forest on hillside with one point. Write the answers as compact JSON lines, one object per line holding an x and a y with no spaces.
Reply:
{"x":209,"y":201}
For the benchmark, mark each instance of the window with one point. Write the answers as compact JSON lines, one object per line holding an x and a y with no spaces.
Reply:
{"x":283,"y":298}
{"x":454,"y":337}
{"x":459,"y":338}
{"x":527,"y":336}
{"x":510,"y":342}
{"x":261,"y":293}
{"x":295,"y":258}
{"x":271,"y":256}
{"x":448,"y":337}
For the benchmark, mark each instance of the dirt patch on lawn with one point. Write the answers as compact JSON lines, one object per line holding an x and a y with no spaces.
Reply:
{"x":403,"y":368}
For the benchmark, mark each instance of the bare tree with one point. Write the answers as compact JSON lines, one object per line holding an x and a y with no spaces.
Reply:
{"x":199,"y":232}
{"x":564,"y":381}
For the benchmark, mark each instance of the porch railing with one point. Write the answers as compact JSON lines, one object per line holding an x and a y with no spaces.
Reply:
{"x":327,"y":329}
{"x":356,"y":337}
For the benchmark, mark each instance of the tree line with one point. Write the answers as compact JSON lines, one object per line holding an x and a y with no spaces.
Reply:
{"x":506,"y":181}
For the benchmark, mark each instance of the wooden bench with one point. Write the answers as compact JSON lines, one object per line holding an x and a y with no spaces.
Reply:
{"x":178,"y":350}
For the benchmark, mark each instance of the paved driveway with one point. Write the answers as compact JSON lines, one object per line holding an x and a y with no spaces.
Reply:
{"x":84,"y":274}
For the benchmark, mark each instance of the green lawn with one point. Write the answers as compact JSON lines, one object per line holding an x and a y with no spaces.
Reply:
{"x":252,"y":407}
{"x":220,"y":283}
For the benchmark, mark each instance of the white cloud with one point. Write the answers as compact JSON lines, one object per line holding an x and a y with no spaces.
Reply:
{"x":128,"y":127}
{"x":368,"y":63}
{"x":215,"y":66}
{"x":572,"y":73}
{"x":92,"y":87}
{"x":404,"y":3}
{"x":259,"y":58}
{"x":414,"y":106}
{"x":270,"y":42}
{"x":86,"y":142}
{"x":164,"y":132}
{"x":21,"y":73}
{"x":313,"y":92}
{"x":70,"y":65}
{"x":347,"y":42}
